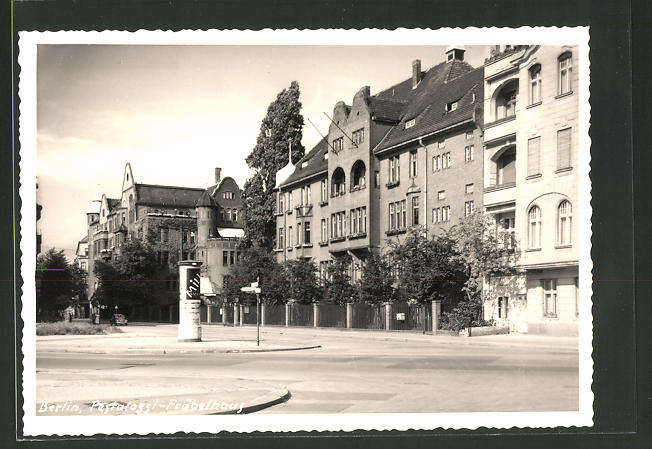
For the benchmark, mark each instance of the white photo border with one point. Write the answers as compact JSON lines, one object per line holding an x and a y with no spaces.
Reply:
{"x":34,"y":425}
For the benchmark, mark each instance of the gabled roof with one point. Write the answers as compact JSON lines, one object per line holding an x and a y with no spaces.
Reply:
{"x":386,"y":109}
{"x":112,"y":203}
{"x":427,"y":106}
{"x":315,"y":163}
{"x":84,"y":240}
{"x":167,"y":196}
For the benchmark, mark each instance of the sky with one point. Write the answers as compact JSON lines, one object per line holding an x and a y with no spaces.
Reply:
{"x":176,"y":112}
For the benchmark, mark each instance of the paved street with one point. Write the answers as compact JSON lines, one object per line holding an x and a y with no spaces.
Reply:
{"x":352,"y":372}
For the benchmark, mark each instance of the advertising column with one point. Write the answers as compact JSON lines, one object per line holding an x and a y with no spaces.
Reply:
{"x":189,"y":301}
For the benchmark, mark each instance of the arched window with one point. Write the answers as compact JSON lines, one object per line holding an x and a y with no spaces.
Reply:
{"x":506,"y":167}
{"x":535,"y":84}
{"x":358,"y":175}
{"x":534,"y":227}
{"x":506,"y":100}
{"x":564,"y":217}
{"x":338,"y":182}
{"x":565,"y":64}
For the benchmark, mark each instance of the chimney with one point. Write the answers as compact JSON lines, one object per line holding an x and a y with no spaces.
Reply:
{"x":455,"y":52}
{"x":416,"y":72}
{"x":218,"y":175}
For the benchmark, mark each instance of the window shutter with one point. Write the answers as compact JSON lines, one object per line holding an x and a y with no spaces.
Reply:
{"x":533,"y":158}
{"x":563,"y":148}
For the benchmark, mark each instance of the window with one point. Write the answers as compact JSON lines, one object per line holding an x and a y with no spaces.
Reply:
{"x":550,"y":298}
{"x":469,"y":153}
{"x":415,"y":211}
{"x":565,"y":70}
{"x":506,"y":100}
{"x":392,"y":219}
{"x":192,"y":237}
{"x":564,"y":149}
{"x":564,"y":223}
{"x":281,"y":202}
{"x":441,"y":195}
{"x":533,"y":156}
{"x":468,"y":189}
{"x":164,"y":234}
{"x":358,"y":173}
{"x":441,"y":214}
{"x":338,"y":144}
{"x":281,"y":240}
{"x":468,"y":208}
{"x":394,"y":170}
{"x":299,"y":235}
{"x":397,"y":216}
{"x":534,"y":230}
{"x":231,"y":257}
{"x":290,"y":237}
{"x":354,"y":221}
{"x":436,"y":163}
{"x":535,"y":84}
{"x":403,"y":221}
{"x":506,"y":167}
{"x":503,"y":307}
{"x":507,"y":223}
{"x":409,"y":123}
{"x":338,"y":182}
{"x":289,"y":200}
{"x":413,"y":164}
{"x":451,"y":106}
{"x":358,"y":136}
{"x":225,"y":258}
{"x":228,"y":195}
{"x":446,"y":160}
{"x":469,"y":135}
{"x":83,"y":265}
{"x":324,"y":190}
{"x":446,"y":213}
{"x":306,"y":233}
{"x":308,"y":195}
{"x":228,"y":214}
{"x":363,"y":220}
{"x":377,"y":179}
{"x":324,"y":231}
{"x":303,"y":195}
{"x":441,"y":144}
{"x":234,"y":214}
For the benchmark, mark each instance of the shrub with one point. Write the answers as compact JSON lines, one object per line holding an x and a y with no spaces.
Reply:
{"x":67,"y":328}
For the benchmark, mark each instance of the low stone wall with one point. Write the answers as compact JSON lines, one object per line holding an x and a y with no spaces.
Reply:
{"x":484,"y":330}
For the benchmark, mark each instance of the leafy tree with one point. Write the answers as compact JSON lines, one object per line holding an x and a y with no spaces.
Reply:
{"x":132,"y":277}
{"x":256,"y":263}
{"x":482,"y":251}
{"x":426,"y":267}
{"x":56,"y":284}
{"x":339,"y":289}
{"x":377,"y":281}
{"x":281,"y":127}
{"x":302,"y":281}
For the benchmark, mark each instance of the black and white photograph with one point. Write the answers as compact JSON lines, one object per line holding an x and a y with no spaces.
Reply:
{"x":356,"y":229}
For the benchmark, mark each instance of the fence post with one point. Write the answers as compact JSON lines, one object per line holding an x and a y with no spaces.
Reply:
{"x":236,"y":314}
{"x":224,"y":313}
{"x":315,"y":314}
{"x":241,"y":314}
{"x":388,"y":316}
{"x":287,"y":315}
{"x":436,"y":315}
{"x":208,"y":313}
{"x":349,"y":315}
{"x":262,"y":313}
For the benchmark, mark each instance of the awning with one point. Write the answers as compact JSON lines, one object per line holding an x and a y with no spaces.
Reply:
{"x":230,"y":232}
{"x":205,"y":286}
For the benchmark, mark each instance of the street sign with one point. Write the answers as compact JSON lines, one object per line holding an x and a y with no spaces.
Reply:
{"x":254,"y":284}
{"x":250,"y":289}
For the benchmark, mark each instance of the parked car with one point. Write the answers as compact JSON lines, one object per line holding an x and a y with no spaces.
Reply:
{"x":118,"y":319}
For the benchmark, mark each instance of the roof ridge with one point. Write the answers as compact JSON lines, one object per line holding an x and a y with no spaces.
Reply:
{"x":169,"y":187}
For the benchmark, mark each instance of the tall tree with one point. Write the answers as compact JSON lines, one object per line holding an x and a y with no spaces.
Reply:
{"x":281,"y":128}
{"x":483,"y":251}
{"x":376,"y":283}
{"x":302,"y":281}
{"x":256,"y":263}
{"x":55,"y":283}
{"x":339,"y":289}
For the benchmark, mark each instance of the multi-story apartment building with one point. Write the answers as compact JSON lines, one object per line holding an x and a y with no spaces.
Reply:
{"x":531,"y":183}
{"x":346,"y":196}
{"x":166,"y":217}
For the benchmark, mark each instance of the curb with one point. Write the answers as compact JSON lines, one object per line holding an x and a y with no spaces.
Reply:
{"x":178,"y":351}
{"x":259,"y":406}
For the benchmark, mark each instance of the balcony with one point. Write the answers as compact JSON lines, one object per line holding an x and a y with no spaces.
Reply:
{"x":499,"y":128}
{"x":499,"y":194}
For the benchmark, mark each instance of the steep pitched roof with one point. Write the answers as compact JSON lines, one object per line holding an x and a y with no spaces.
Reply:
{"x":386,"y":109}
{"x":315,"y":163}
{"x":206,"y":200}
{"x":167,"y":196}
{"x":442,"y":85}
{"x":84,"y":240}
{"x":112,"y":203}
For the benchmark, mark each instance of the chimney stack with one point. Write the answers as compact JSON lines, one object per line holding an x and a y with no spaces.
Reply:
{"x":416,"y":72}
{"x":218,"y":175}
{"x":455,"y":52}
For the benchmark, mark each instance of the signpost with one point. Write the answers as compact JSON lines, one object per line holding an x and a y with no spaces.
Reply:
{"x":254,"y":288}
